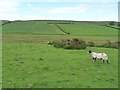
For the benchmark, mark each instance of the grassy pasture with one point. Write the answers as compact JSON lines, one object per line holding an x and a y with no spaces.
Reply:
{"x":45,"y":66}
{"x":87,"y":29}
{"x":30,"y":28}
{"x":28,"y":60}
{"x":83,"y":30}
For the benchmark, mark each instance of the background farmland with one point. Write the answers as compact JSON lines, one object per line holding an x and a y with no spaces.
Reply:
{"x":29,"y":62}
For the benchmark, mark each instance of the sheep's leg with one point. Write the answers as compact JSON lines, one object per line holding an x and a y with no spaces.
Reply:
{"x":95,"y":59}
{"x":107,"y":61}
{"x":103,"y":61}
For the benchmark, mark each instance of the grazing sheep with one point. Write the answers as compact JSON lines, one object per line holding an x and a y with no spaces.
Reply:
{"x":101,"y":56}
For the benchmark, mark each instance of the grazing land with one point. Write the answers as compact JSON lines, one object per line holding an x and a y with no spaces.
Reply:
{"x":28,"y":62}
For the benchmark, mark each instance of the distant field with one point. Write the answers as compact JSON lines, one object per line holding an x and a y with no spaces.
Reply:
{"x":87,"y":29}
{"x":83,"y":30}
{"x":27,"y":60}
{"x":30,"y":28}
{"x":45,"y":38}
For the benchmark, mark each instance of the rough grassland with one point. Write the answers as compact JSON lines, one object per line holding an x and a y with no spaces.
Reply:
{"x":28,"y":61}
{"x":46,"y":66}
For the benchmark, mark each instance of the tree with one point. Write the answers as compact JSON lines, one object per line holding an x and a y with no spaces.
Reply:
{"x":111,"y":23}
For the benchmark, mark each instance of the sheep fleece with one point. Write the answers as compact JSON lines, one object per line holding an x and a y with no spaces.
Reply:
{"x":100,"y":55}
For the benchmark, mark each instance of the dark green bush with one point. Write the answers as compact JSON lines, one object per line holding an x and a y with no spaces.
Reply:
{"x":90,"y":44}
{"x":107,"y":44}
{"x":70,"y":44}
{"x":111,"y":23}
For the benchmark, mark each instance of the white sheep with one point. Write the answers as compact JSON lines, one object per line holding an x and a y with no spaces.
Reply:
{"x":101,"y":56}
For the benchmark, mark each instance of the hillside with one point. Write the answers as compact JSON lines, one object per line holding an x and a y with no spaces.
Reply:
{"x":48,"y":27}
{"x":32,"y":27}
{"x":29,"y":61}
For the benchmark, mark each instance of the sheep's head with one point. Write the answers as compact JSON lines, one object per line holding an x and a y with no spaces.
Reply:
{"x":90,"y":51}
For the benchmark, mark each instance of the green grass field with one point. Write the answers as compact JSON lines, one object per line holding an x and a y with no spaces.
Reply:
{"x":30,"y":28}
{"x":83,"y":30}
{"x":46,"y":66}
{"x":87,"y":29}
{"x":29,"y":61}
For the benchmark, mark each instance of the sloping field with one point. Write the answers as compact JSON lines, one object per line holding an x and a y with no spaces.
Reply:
{"x":88,"y":29}
{"x":32,"y":27}
{"x":47,"y":31}
{"x":38,"y":27}
{"x":44,"y":28}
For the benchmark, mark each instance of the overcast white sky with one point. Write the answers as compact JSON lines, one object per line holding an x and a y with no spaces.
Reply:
{"x":82,"y":10}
